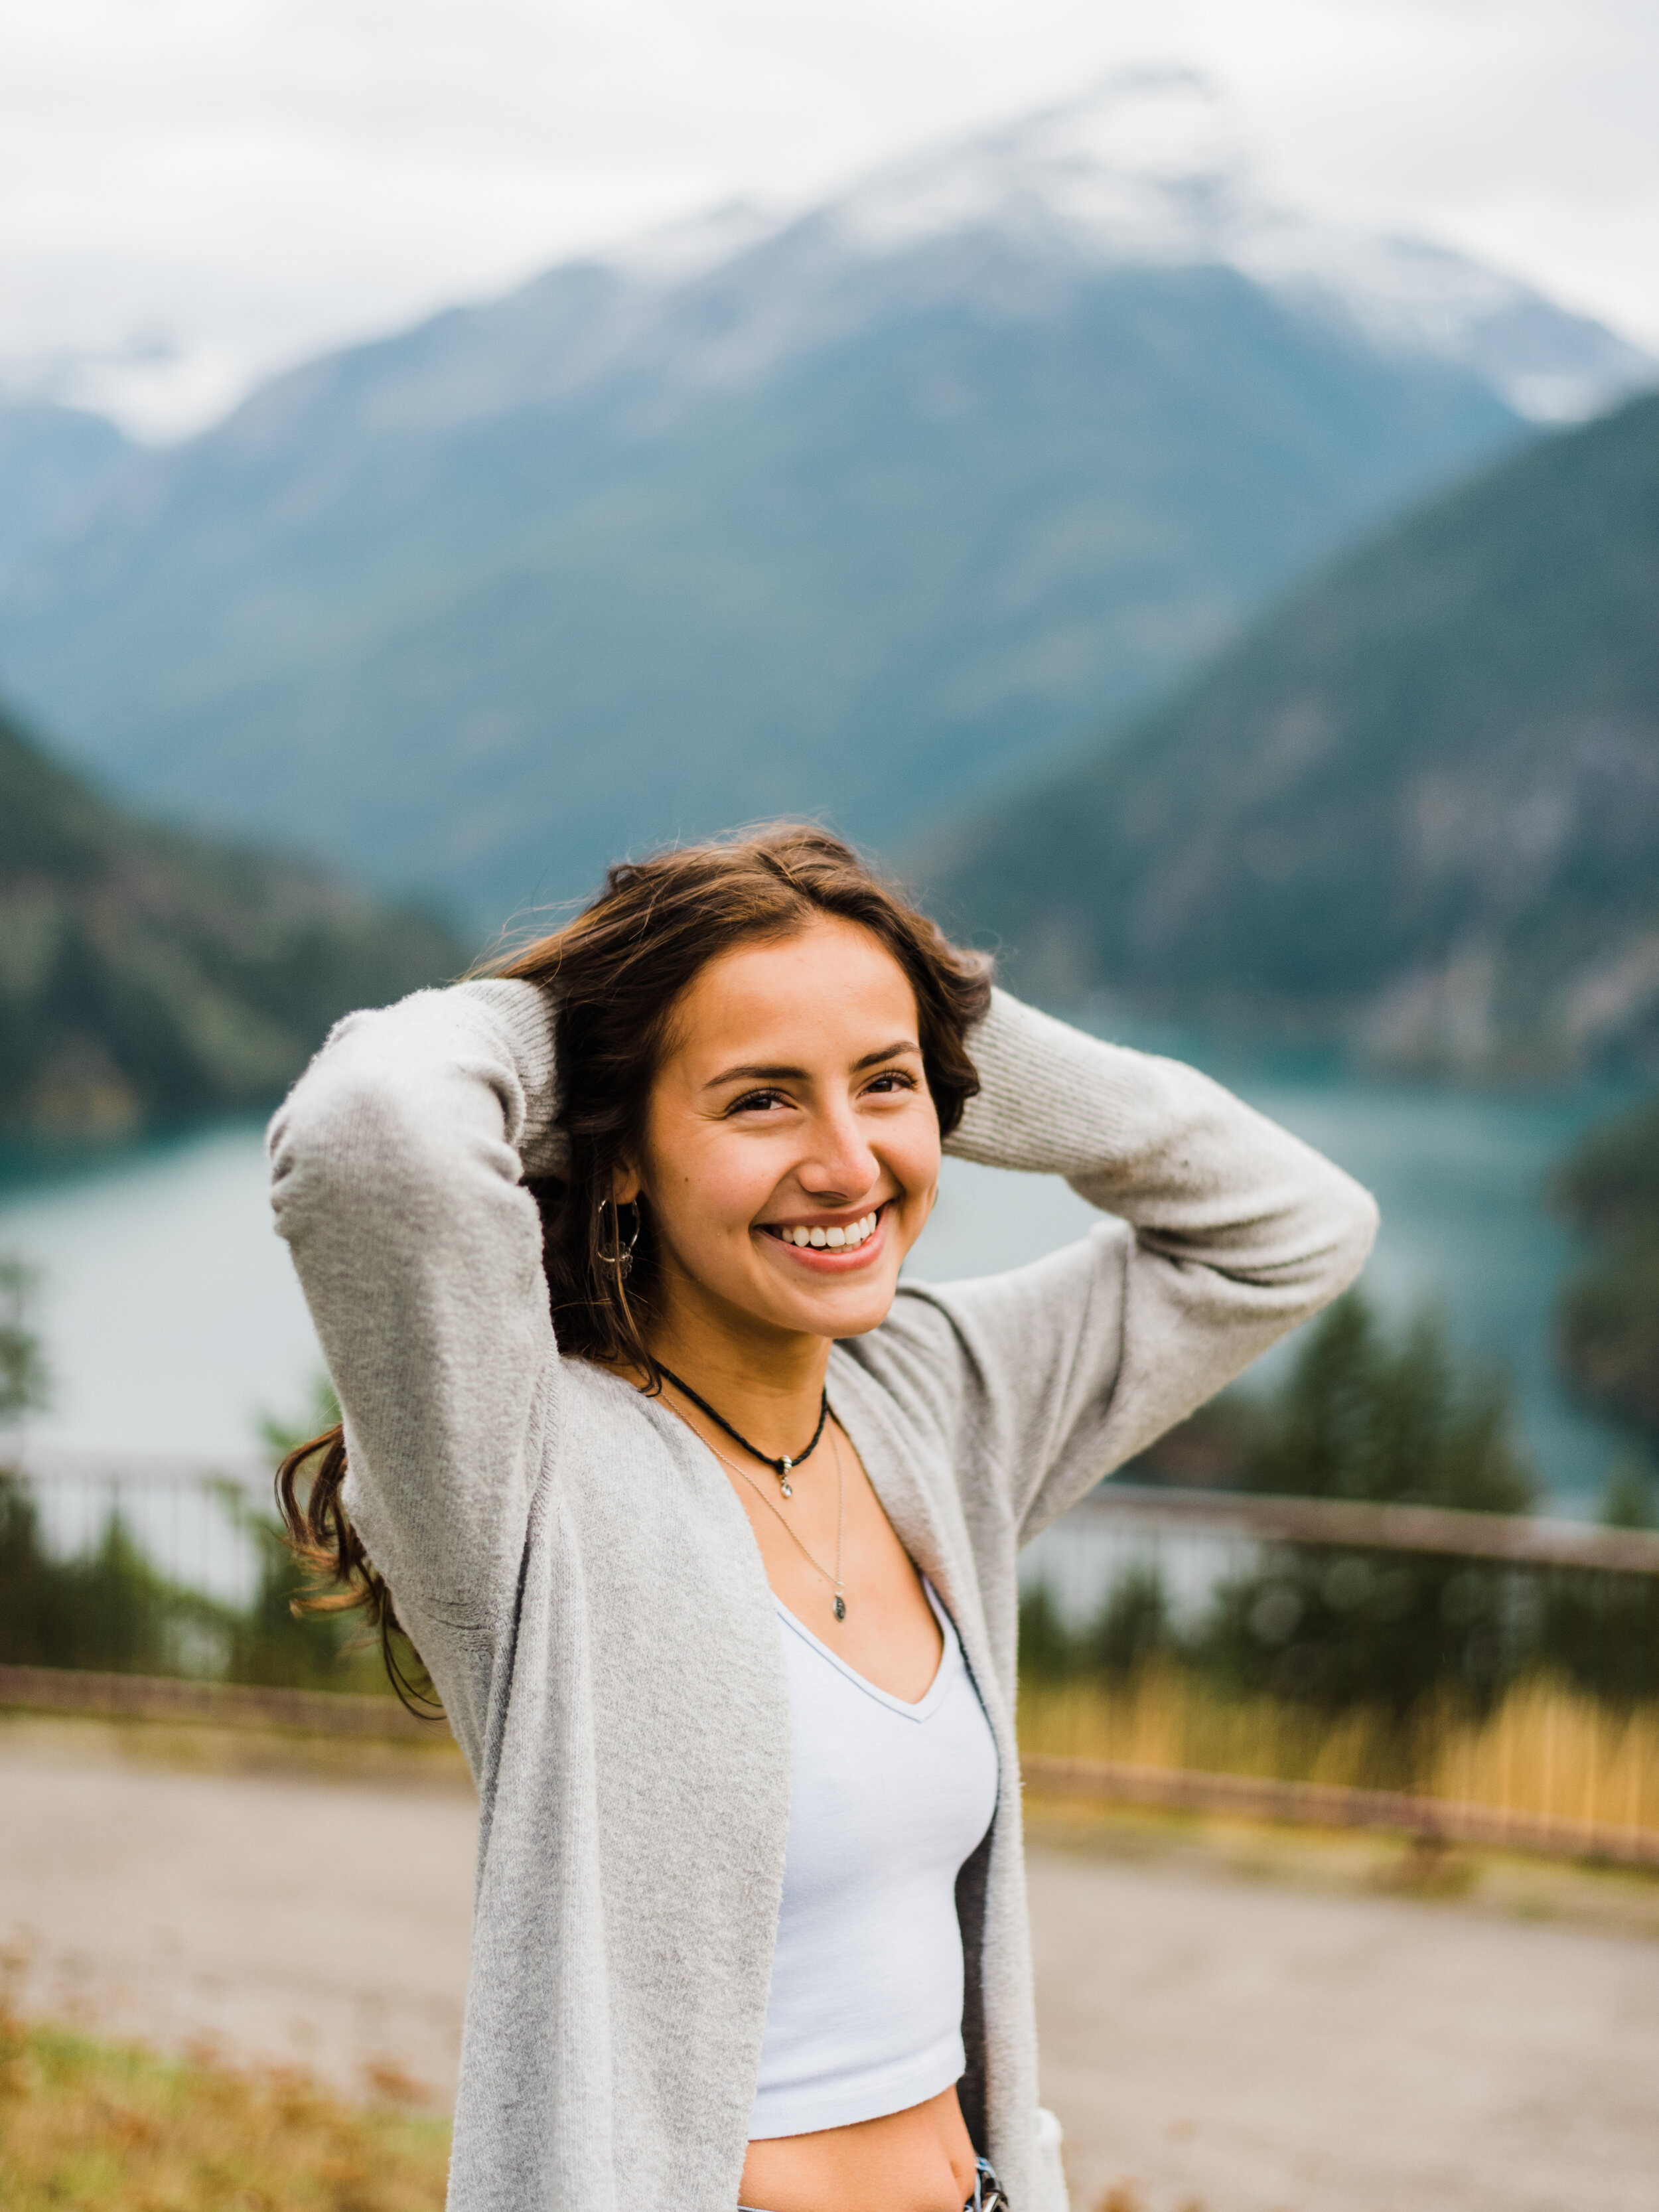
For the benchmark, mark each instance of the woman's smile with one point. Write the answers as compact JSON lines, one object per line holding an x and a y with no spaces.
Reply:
{"x":830,"y":1244}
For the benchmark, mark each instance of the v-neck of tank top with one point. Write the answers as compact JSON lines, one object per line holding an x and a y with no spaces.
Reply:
{"x":937,"y":1689}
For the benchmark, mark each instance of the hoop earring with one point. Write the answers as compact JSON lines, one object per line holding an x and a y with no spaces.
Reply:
{"x":621,"y":1255}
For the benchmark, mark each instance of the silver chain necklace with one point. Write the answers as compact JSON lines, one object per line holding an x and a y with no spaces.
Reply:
{"x":838,"y":1596}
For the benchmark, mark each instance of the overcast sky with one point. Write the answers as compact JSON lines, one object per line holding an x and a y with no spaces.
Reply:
{"x":196,"y":191}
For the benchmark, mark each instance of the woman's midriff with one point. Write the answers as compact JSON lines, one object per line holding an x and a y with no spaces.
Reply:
{"x":919,"y":2160}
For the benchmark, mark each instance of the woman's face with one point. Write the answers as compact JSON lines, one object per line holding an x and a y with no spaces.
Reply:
{"x":792,"y":1148}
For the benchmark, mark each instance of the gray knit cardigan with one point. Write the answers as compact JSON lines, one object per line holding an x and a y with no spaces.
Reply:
{"x":581,"y":1581}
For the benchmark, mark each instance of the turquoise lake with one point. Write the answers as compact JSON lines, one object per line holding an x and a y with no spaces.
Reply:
{"x":171,"y":1319}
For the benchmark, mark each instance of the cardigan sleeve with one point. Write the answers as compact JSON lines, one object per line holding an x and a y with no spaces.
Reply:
{"x":397,"y":1180}
{"x":1223,"y":1231}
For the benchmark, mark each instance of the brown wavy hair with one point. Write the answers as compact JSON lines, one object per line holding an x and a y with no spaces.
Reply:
{"x":616,"y":976}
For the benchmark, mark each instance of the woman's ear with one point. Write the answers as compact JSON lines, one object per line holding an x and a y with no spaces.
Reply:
{"x":626,"y":1183}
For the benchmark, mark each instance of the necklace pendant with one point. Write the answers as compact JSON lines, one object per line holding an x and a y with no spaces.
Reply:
{"x":841,"y":1607}
{"x":787,"y":1490}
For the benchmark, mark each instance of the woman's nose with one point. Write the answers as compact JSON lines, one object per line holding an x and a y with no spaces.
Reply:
{"x":839,"y":1164}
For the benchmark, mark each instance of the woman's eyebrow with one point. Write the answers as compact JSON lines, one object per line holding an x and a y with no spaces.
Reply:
{"x":751,"y":1072}
{"x":887,"y":1052}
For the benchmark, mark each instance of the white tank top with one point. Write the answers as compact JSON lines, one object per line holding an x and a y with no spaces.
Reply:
{"x":865,"y":2016}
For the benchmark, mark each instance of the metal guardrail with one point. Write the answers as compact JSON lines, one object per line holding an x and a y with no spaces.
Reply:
{"x":190,"y":1517}
{"x":175,"y":1506}
{"x":231,"y":1704}
{"x":1547,"y":1775}
{"x":39,"y":1461}
{"x":1434,"y":1820}
{"x":1338,"y":1522}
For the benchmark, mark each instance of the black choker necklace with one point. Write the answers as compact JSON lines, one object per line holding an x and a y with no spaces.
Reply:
{"x":781,"y":1468}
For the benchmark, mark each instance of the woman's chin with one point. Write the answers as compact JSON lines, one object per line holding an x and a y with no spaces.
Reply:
{"x":857,"y":1317}
{"x":847,"y":1305}
{"x":832,"y":1306}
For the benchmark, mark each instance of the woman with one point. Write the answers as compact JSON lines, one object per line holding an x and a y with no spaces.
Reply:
{"x":706,"y":1529}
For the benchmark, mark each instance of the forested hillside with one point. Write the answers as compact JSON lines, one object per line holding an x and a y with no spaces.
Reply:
{"x":147,"y":975}
{"x":866,"y":512}
{"x":1608,"y":1324}
{"x":1417,"y":811}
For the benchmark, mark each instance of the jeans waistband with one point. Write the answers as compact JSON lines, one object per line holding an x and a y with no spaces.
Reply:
{"x":987,"y":2196}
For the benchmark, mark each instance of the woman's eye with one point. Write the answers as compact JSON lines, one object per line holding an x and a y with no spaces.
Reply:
{"x":757,"y":1101}
{"x":893,"y":1079}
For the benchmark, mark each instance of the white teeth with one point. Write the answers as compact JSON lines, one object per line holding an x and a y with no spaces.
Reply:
{"x":834,"y":1240}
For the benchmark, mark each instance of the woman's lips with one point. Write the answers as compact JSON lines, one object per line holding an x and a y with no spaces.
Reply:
{"x":868,"y":1233}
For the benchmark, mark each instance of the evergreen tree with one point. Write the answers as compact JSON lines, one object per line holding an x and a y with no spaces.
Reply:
{"x":1607,"y":1323}
{"x":1601,"y":1631}
{"x":24,"y":1380}
{"x":1133,"y":1626}
{"x":1367,"y":1418}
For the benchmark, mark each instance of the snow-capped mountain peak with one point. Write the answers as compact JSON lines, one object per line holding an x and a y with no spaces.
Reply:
{"x":1150,"y":166}
{"x":678,"y":253}
{"x":1147,"y":166}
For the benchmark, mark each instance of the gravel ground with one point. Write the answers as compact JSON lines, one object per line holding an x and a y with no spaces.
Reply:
{"x":278,"y":1916}
{"x":1276,"y":2036}
{"x":1247,"y":2046}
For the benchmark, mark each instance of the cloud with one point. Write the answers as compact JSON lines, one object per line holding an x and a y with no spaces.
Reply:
{"x":195,"y":191}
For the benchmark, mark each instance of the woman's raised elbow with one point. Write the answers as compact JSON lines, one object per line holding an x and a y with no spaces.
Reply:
{"x":1354,"y":1218}
{"x":348,"y":1135}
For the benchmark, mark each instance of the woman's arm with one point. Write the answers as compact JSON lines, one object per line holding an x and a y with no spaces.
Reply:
{"x":397,"y":1164}
{"x":1228,"y":1231}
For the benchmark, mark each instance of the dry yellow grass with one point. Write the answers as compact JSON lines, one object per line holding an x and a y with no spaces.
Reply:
{"x":90,"y":2127}
{"x":1546,"y":1752}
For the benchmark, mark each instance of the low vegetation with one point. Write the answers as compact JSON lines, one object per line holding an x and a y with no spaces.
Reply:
{"x":1543,"y":1751}
{"x":96,"y":2127}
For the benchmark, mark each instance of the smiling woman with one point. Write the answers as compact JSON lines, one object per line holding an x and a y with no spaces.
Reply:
{"x":707,"y":1527}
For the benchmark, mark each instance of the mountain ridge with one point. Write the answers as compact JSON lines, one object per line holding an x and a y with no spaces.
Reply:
{"x":57,"y":464}
{"x":1416,"y":810}
{"x":718,"y":299}
{"x":778,"y":516}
